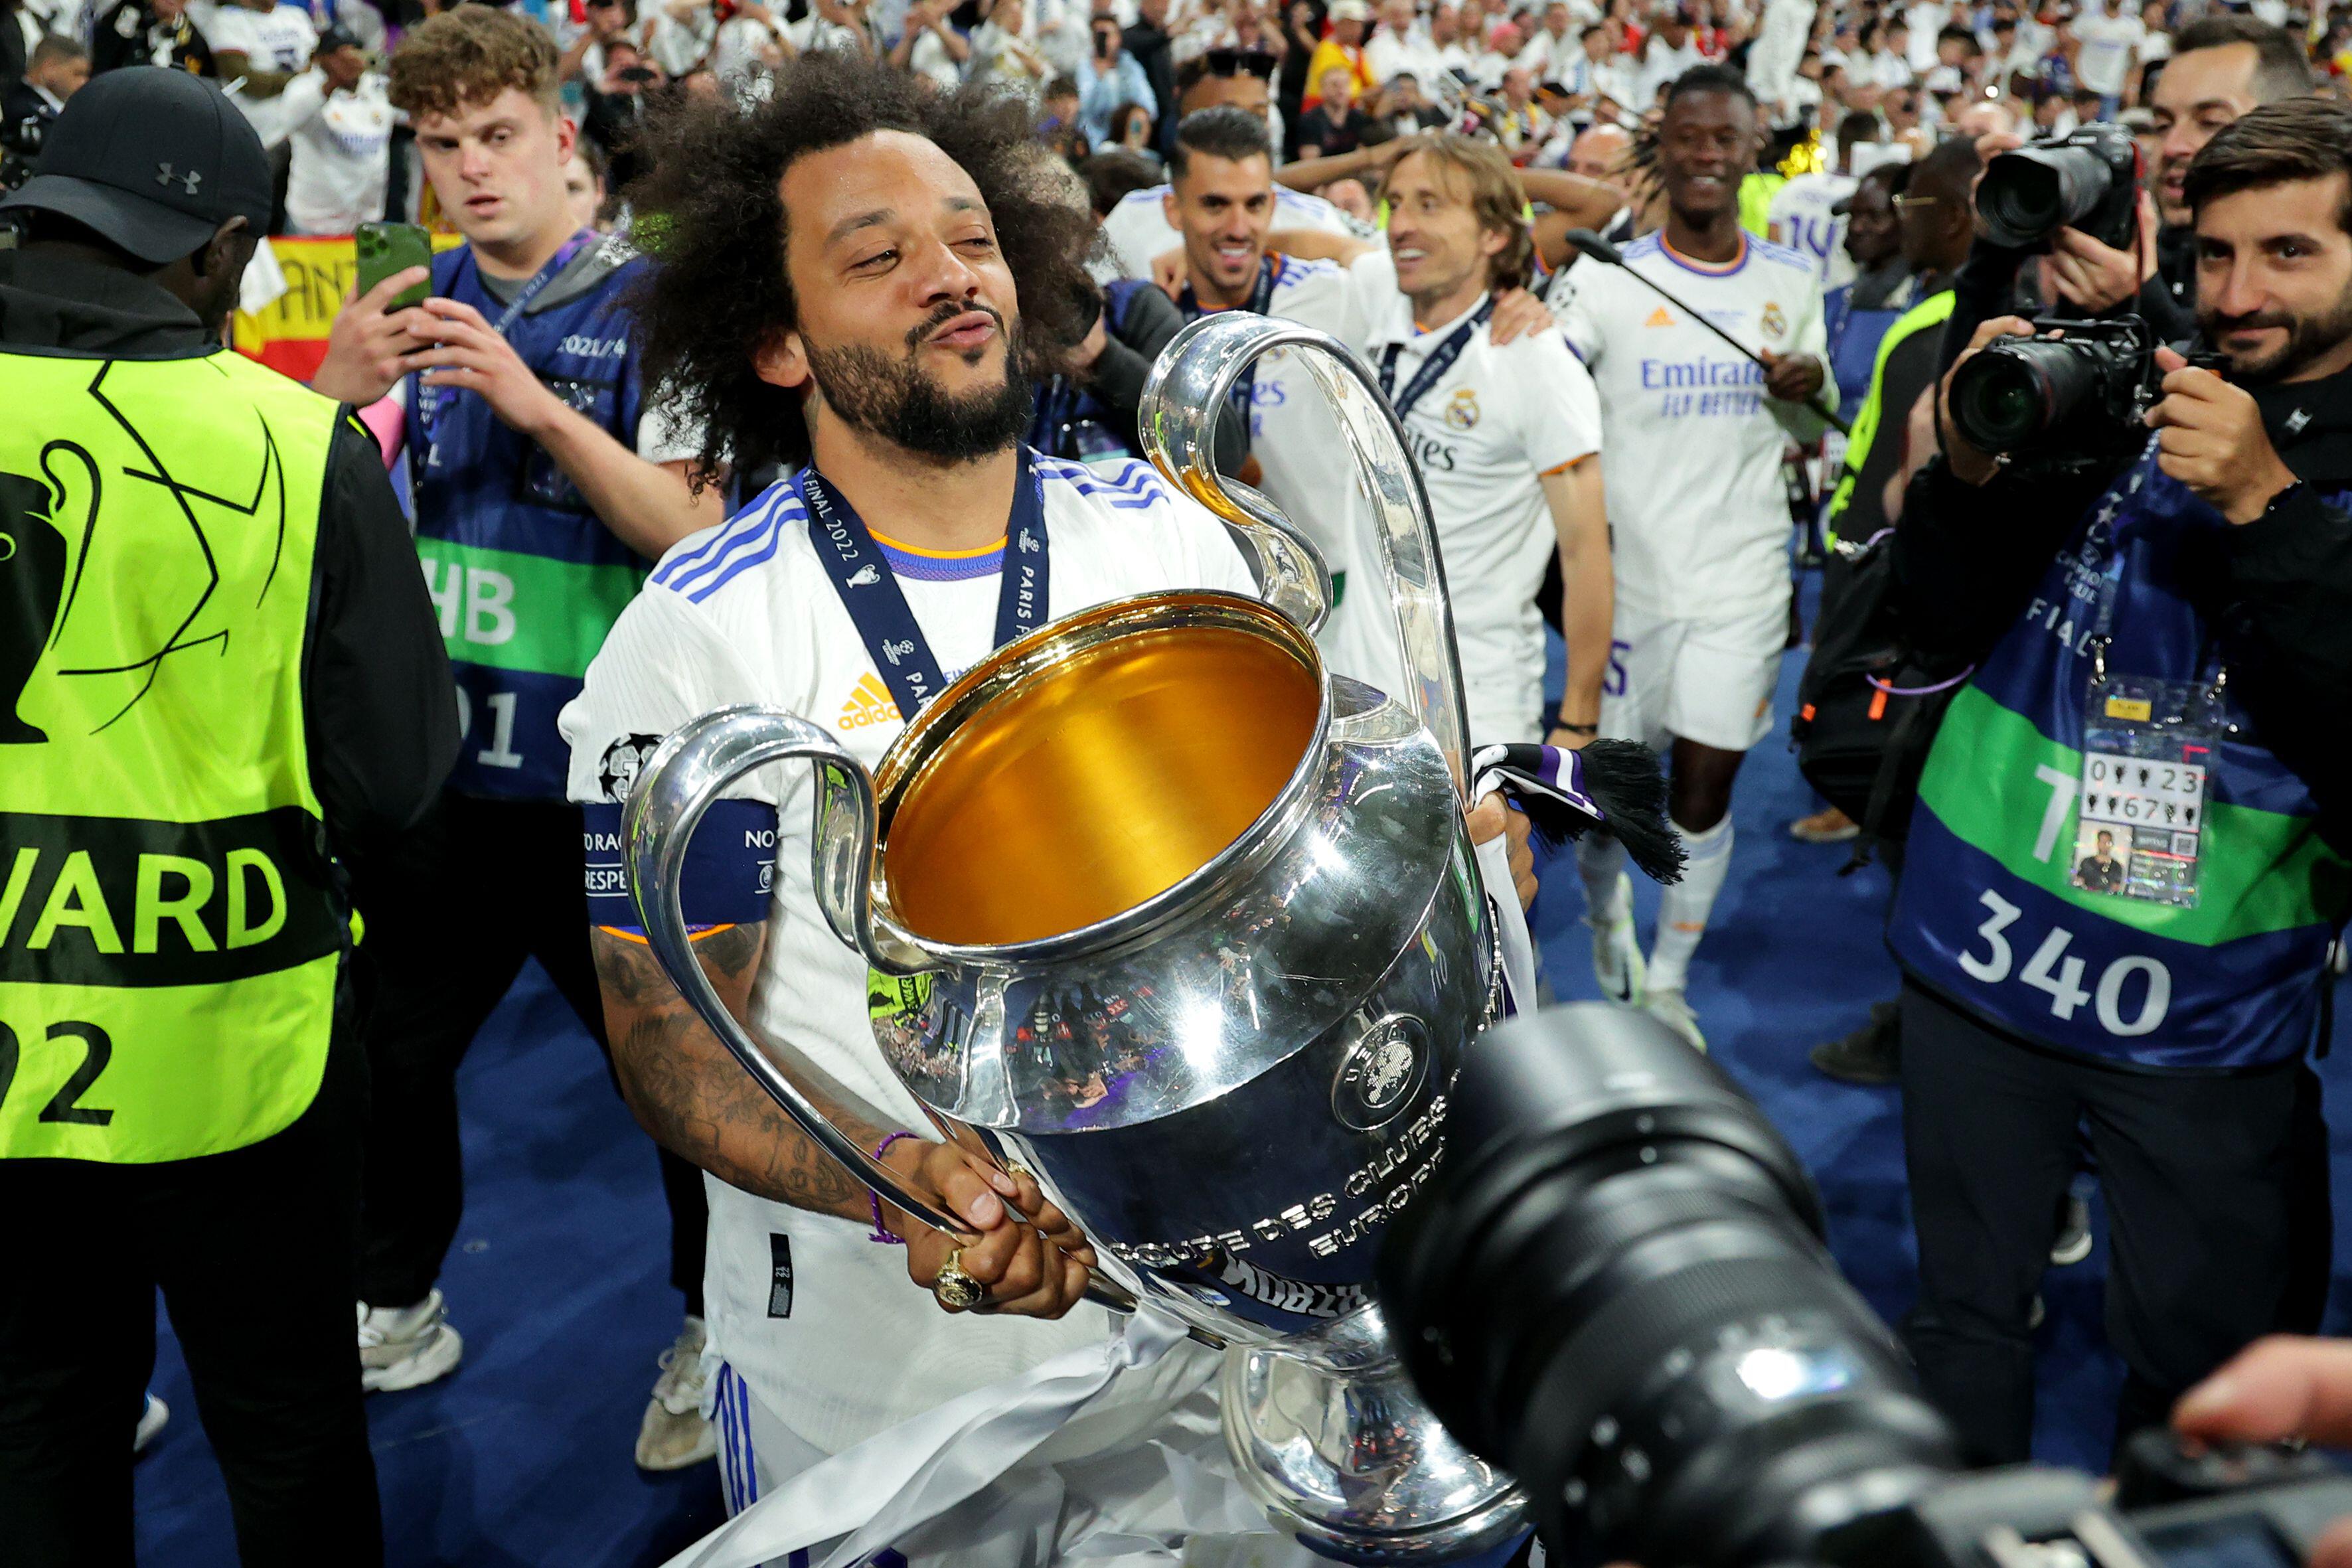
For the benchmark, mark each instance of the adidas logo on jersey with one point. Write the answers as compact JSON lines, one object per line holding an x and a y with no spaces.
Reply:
{"x":869,"y":704}
{"x":1659,"y":318}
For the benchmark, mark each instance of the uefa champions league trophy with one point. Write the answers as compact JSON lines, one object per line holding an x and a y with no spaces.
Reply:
{"x":1164,"y":911}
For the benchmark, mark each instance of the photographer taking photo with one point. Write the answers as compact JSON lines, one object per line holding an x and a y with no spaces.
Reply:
{"x":2161,"y":653}
{"x":2222,"y":66}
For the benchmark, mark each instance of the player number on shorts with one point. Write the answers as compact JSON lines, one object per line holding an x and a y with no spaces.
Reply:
{"x":65,"y":1106}
{"x":2049,"y":970}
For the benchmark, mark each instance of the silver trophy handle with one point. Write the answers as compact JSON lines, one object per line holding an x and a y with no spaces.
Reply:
{"x":1178,"y":418}
{"x":687,"y":772}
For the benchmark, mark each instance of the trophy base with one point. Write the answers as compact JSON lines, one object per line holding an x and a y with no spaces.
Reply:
{"x":1329,"y":1437}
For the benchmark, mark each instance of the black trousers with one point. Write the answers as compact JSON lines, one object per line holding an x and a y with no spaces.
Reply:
{"x":475,"y":889}
{"x":2215,"y":1199}
{"x":253,"y":1252}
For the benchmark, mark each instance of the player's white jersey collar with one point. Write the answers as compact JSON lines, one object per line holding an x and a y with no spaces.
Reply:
{"x":1396,"y":325}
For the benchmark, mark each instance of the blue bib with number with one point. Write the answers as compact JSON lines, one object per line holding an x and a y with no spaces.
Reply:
{"x":1995,"y":909}
{"x":526,"y":578}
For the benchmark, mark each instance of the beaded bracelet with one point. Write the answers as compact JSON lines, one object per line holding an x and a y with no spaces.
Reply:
{"x":874,"y":1199}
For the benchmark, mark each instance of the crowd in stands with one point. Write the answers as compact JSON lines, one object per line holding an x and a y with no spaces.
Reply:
{"x":1340,"y":76}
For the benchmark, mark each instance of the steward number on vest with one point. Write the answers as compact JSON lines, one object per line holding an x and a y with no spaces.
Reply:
{"x":2049,"y":969}
{"x":64,"y":1105}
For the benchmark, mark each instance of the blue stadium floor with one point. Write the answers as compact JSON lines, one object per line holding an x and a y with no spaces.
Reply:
{"x":523,"y":1457}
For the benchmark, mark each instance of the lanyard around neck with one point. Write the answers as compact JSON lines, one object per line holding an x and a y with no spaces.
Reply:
{"x":877,"y":606}
{"x":1432,"y":368}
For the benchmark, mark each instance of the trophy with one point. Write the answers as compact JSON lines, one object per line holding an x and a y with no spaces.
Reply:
{"x":1161,"y":908}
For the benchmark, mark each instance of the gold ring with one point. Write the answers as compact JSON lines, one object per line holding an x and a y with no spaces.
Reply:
{"x":1017,"y":1171}
{"x":955,"y":1288}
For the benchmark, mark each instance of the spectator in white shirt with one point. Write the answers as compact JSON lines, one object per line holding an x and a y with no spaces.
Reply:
{"x":1607,"y":74}
{"x":259,"y":47}
{"x":1002,"y":51}
{"x":1670,"y":51}
{"x":1397,"y":45}
{"x":1503,"y":45}
{"x":1554,"y":48}
{"x":930,"y":46}
{"x":681,"y":34}
{"x":339,"y":130}
{"x":2107,"y":37}
{"x":1445,"y":40}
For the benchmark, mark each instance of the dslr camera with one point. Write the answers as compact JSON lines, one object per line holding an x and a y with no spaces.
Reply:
{"x":1615,"y":1285}
{"x":2070,"y":398}
{"x":2087,"y":180}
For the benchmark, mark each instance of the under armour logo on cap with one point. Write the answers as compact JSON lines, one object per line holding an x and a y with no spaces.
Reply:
{"x":99,"y":164}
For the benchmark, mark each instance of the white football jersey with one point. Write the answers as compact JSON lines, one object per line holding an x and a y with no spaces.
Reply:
{"x":821,"y":1323}
{"x":1697,"y":510}
{"x":1482,"y":433}
{"x":276,"y":40}
{"x":1801,"y":219}
{"x":1138,"y":230}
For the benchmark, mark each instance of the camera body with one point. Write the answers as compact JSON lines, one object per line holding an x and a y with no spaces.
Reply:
{"x":1614,"y":1285}
{"x":2086,"y":180}
{"x":2069,"y":396}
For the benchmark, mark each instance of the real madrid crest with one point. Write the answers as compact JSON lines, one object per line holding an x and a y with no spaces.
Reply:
{"x":1775,"y":323}
{"x":1379,"y":1074}
{"x":1462,"y":412}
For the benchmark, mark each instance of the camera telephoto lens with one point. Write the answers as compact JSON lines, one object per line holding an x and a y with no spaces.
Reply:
{"x":1615,"y":1287}
{"x":2017,"y":392}
{"x":2026,"y":196}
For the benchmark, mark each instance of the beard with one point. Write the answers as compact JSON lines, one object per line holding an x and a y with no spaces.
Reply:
{"x":894,"y":399}
{"x":2308,"y":338}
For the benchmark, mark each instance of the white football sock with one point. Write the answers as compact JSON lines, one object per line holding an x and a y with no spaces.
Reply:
{"x":1682,"y":909}
{"x":1599,"y":859}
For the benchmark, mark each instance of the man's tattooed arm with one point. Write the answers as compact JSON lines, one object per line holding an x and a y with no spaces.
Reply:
{"x":696,"y":1099}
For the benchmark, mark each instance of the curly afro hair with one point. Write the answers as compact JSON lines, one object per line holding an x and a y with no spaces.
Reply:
{"x":710,"y":215}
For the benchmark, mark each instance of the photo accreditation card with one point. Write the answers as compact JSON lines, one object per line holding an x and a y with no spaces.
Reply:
{"x":2140,"y":816}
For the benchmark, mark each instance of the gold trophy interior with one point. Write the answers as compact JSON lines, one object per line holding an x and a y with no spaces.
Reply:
{"x":1098,"y":777}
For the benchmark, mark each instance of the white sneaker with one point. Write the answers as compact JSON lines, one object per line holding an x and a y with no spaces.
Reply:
{"x":406,"y":1347}
{"x":1670,"y":1008}
{"x":674,"y":1434}
{"x":1617,"y":950}
{"x":151,"y":1420}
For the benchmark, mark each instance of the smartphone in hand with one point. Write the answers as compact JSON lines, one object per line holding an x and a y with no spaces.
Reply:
{"x":385,"y":249}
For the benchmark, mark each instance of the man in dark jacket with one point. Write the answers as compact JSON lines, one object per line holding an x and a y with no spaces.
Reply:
{"x":301,"y":711}
{"x":2161,"y":647}
{"x":149,"y":33}
{"x":57,"y":70}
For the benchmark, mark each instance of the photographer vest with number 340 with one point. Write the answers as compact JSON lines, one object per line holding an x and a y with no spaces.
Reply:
{"x":170,"y":940}
{"x":2107,"y":858}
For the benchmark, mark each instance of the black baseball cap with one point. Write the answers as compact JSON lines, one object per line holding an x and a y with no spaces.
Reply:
{"x":155,"y":160}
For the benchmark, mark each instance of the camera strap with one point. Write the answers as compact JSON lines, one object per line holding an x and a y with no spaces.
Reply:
{"x":2147,"y":747}
{"x":869,"y":590}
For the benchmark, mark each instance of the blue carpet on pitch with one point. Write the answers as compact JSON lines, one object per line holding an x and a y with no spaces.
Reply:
{"x":558,"y":1280}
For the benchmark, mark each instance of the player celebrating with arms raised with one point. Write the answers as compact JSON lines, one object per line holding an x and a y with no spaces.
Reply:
{"x":1699,"y":515}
